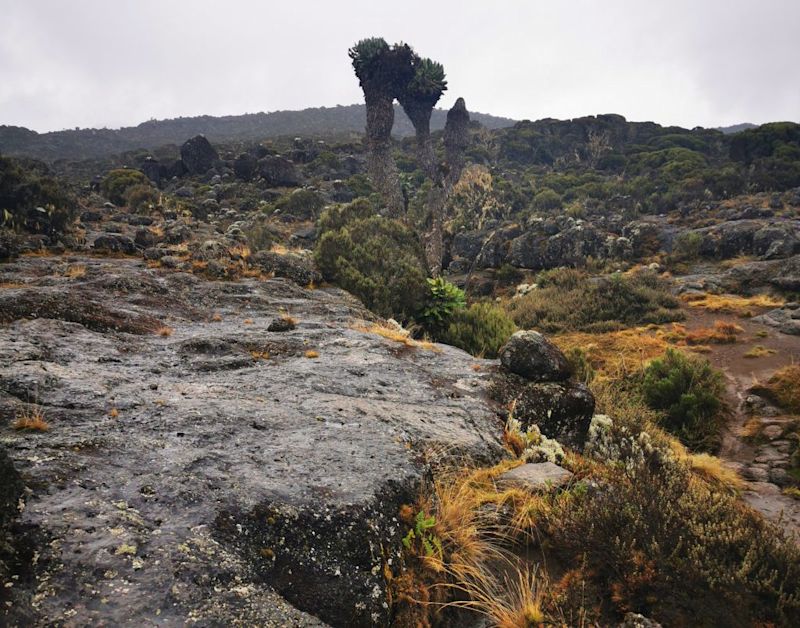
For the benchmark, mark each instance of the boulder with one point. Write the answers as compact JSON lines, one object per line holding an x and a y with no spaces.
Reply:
{"x":152,"y":169}
{"x":244,"y":166}
{"x":198,"y":155}
{"x":531,"y":355}
{"x":278,"y":172}
{"x":536,"y":477}
{"x":562,"y":410}
{"x":113,"y":243}
{"x":290,"y":266}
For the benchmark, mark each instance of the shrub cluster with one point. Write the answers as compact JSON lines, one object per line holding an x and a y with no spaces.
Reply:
{"x":569,"y":300}
{"x":25,"y":187}
{"x":117,"y":183}
{"x":377,"y":259}
{"x":480,"y":329}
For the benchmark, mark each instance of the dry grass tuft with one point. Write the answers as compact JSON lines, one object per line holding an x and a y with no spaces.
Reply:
{"x":217,"y":317}
{"x":259,"y":355}
{"x":396,"y":334}
{"x":164,"y":331}
{"x":248,"y":321}
{"x":782,"y":388}
{"x":751,"y":430}
{"x":241,"y":251}
{"x":759,"y":351}
{"x":113,"y":413}
{"x":76,"y":271}
{"x":722,"y":333}
{"x":312,"y":354}
{"x":31,"y":420}
{"x":731,"y":303}
{"x":713,"y":470}
{"x":615,"y":354}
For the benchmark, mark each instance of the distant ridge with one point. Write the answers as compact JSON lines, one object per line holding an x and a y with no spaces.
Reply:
{"x":316,"y":121}
{"x":736,"y":128}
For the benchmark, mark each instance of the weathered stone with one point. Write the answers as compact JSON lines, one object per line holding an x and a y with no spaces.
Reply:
{"x":278,"y":171}
{"x":532,"y":356}
{"x":299,"y":269}
{"x":198,"y":155}
{"x":114,"y":243}
{"x":535,"y":477}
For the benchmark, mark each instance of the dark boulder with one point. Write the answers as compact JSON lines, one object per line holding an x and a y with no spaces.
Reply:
{"x":175,"y":168}
{"x":290,"y":266}
{"x":113,"y":243}
{"x":198,"y":155}
{"x":281,"y":324}
{"x":467,"y":244}
{"x":561,"y":410}
{"x":152,"y":170}
{"x":278,"y":172}
{"x":244,"y":166}
{"x":532,"y":356}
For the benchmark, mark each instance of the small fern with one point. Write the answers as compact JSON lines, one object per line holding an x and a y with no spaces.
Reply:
{"x":430,"y":543}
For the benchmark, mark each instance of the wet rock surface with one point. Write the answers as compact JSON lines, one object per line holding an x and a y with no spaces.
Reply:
{"x":199,"y":465}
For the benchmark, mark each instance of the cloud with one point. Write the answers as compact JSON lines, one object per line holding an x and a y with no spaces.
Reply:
{"x":98,"y":63}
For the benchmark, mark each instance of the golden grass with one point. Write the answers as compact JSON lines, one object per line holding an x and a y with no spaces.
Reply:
{"x":736,"y":261}
{"x":248,"y":321}
{"x":312,"y":354}
{"x":240,"y":250}
{"x":76,"y":271}
{"x":113,"y":413}
{"x":759,"y":351}
{"x":722,"y":333}
{"x":31,"y":420}
{"x":751,"y":430}
{"x":731,"y":303}
{"x":713,"y":470}
{"x":10,"y":285}
{"x":280,"y":249}
{"x":164,"y":331}
{"x":396,"y":335}
{"x":217,"y":317}
{"x":259,"y":355}
{"x":782,"y":388}
{"x":615,"y":354}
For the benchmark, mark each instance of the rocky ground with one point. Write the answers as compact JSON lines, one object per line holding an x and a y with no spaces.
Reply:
{"x":201,"y":444}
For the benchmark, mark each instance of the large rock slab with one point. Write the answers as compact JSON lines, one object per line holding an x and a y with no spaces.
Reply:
{"x":531,"y":355}
{"x":212,"y":471}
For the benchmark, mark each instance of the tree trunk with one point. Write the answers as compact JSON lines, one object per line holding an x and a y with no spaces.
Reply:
{"x":380,"y":164}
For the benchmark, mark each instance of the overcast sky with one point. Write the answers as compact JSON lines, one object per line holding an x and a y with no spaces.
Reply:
{"x":94,"y":63}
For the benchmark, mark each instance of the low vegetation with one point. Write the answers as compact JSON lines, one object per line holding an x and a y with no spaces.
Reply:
{"x":569,"y":300}
{"x":782,"y":388}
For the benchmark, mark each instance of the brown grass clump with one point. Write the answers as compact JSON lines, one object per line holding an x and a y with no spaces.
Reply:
{"x":396,"y":335}
{"x":217,"y":317}
{"x":614,"y":354}
{"x":722,"y":333}
{"x":76,"y":271}
{"x":731,"y":303}
{"x":782,"y":388}
{"x":759,"y":351}
{"x":164,"y":331}
{"x":113,"y":413}
{"x":31,"y":420}
{"x":751,"y":430}
{"x":713,"y":470}
{"x":241,"y":251}
{"x":248,"y":321}
{"x":312,"y":354}
{"x":260,"y":355}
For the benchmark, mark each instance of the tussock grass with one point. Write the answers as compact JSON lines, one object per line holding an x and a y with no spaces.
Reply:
{"x":396,"y":334}
{"x":164,"y":331}
{"x":731,"y":303}
{"x":759,"y":351}
{"x":312,"y":354}
{"x":782,"y":388}
{"x":76,"y":271}
{"x":31,"y":420}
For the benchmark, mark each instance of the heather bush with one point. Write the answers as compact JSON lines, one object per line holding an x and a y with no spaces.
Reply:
{"x":480,"y":329}
{"x":688,"y":392}
{"x":141,"y":196}
{"x":568,"y":300}
{"x":117,"y":182}
{"x":377,"y":259}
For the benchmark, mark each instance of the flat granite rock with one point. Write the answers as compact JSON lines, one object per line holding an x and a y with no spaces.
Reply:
{"x":538,"y":476}
{"x":217,"y":473}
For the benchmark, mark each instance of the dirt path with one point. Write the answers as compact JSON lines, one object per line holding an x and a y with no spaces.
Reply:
{"x":741,"y":372}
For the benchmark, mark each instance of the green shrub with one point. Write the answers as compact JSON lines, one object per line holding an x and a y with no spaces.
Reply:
{"x":568,"y":300}
{"x":547,"y":199}
{"x":25,"y":186}
{"x":444,"y":298}
{"x":377,"y":259}
{"x":688,"y":392}
{"x":117,"y":182}
{"x":480,"y":329}
{"x":139,"y":197}
{"x":301,"y":203}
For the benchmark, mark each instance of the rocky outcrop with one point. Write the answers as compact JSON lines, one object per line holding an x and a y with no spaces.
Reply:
{"x":532,"y":356}
{"x":278,"y":171}
{"x":198,"y":155}
{"x":202,"y":468}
